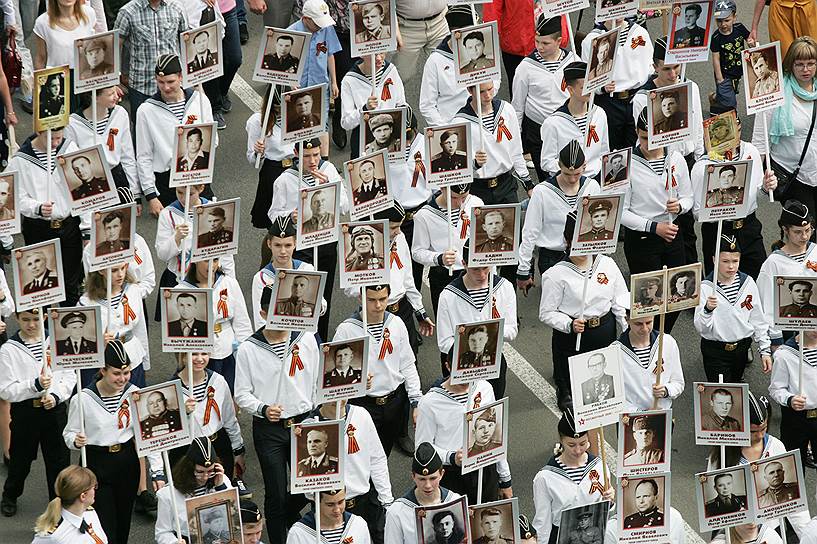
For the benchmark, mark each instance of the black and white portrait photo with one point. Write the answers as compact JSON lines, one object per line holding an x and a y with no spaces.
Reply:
{"x":721,"y":414}
{"x":200,"y":54}
{"x":794,"y":301}
{"x":443,"y":523}
{"x":38,"y":275}
{"x":216,"y":229}
{"x":367,"y":181}
{"x":76,"y":337}
{"x":721,"y":493}
{"x":598,"y":224}
{"x":493,"y":235}
{"x":670,"y":110}
{"x":597,"y":387}
{"x":321,"y":209}
{"x":371,"y":20}
{"x":214,"y":518}
{"x":317,"y":452}
{"x":194,"y":154}
{"x":9,"y":203}
{"x":477,"y":350}
{"x":187,"y":319}
{"x":615,"y":168}
{"x":303,"y":113}
{"x":343,"y":368}
{"x":684,"y":287}
{"x":279,"y":57}
{"x":647,"y":292}
{"x":364,"y":246}
{"x":51,"y":97}
{"x":159,"y":418}
{"x":644,"y":440}
{"x":602,"y":60}
{"x":448,"y":148}
{"x":644,"y":504}
{"x":297,"y":300}
{"x":495,"y":522}
{"x":112,"y":233}
{"x":583,"y":524}
{"x":97,"y":61}
{"x":383,"y":129}
{"x":88,"y":176}
{"x":779,"y":485}
{"x":485,"y":432}
{"x":726,"y":185}
{"x":476,"y":53}
{"x":690,"y":25}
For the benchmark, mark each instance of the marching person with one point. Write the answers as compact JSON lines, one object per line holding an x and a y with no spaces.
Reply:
{"x":275,"y":379}
{"x":571,"y":478}
{"x":337,"y":525}
{"x":660,"y":192}
{"x":367,"y":485}
{"x":563,"y":298}
{"x":728,"y":321}
{"x":38,"y":398}
{"x":639,"y":365}
{"x":570,"y":123}
{"x":108,"y":441}
{"x":69,"y":516}
{"x":395,"y":388}
{"x":550,"y":202}
{"x":156,"y":122}
{"x":252,"y":522}
{"x":427,"y":473}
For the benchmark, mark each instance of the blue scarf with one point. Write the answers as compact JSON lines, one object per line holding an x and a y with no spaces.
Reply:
{"x":781,"y":118}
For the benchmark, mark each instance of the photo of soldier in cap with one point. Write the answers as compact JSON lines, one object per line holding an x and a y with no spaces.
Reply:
{"x":770,"y":481}
{"x":72,"y":331}
{"x":96,"y":56}
{"x":342,"y":364}
{"x":494,"y":522}
{"x":51,"y":98}
{"x":85,"y":174}
{"x":583,"y":524}
{"x":644,"y":503}
{"x":687,"y":26}
{"x":364,"y":248}
{"x":596,"y":220}
{"x":194,"y":148}
{"x":216,"y":225}
{"x":645,"y":441}
{"x":298,"y":294}
{"x":158,"y":411}
{"x":669,"y":110}
{"x":447,"y":148}
{"x":477,"y":345}
{"x":485,"y":431}
{"x":724,"y":186}
{"x":495,"y":229}
{"x":725,"y":493}
{"x":380,"y":132}
{"x":795,"y":299}
{"x":317,"y":450}
{"x":445,"y":523}
{"x":371,"y":22}
{"x":368,"y":179}
{"x":476,"y":51}
{"x":647,"y":293}
{"x":112,"y":232}
{"x":721,"y":133}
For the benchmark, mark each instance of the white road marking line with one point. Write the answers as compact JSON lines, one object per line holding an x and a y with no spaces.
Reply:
{"x":246,"y":93}
{"x":546,"y":394}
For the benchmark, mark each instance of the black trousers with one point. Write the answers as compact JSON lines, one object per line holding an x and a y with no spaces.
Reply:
{"x":32,"y":428}
{"x":750,"y":239}
{"x":270,"y":170}
{"x":797,"y":430}
{"x":405,"y":312}
{"x":167,"y":194}
{"x":272,"y":444}
{"x":39,"y":230}
{"x":548,"y":258}
{"x":503,"y":193}
{"x":646,"y":252}
{"x":438,"y":279}
{"x":686,"y":230}
{"x":327,"y":262}
{"x":389,"y":418}
{"x":167,"y":279}
{"x":117,"y":476}
{"x":466,"y":484}
{"x":369,"y":508}
{"x":511,"y":63}
{"x":619,"y":115}
{"x":223,"y":448}
{"x":720,"y":360}
{"x":532,"y":143}
{"x":408,"y":230}
{"x":563,"y":346}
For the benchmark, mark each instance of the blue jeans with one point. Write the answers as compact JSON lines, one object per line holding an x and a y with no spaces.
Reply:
{"x":241,"y":12}
{"x":217,"y":89}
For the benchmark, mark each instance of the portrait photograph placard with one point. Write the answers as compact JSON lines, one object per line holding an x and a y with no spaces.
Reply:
{"x":669,"y":111}
{"x":590,"y":518}
{"x":201,"y":55}
{"x":762,"y":81}
{"x":216,"y":229}
{"x":302,"y":114}
{"x":485,"y":435}
{"x":448,"y":152}
{"x":317,"y":456}
{"x":552,"y":8}
{"x":690,"y":32}
{"x":721,"y":414}
{"x":367,"y":181}
{"x":602,"y":60}
{"x":160,"y":422}
{"x":112,"y":236}
{"x":363,"y":256}
{"x":88,"y":177}
{"x":779,"y":486}
{"x":599,"y":221}
{"x":644,"y":442}
{"x":194,"y":153}
{"x":187,"y":319}
{"x":495,"y":522}
{"x":615,"y":169}
{"x":344,"y":369}
{"x":684,"y":287}
{"x":648,"y":294}
{"x":494,"y":235}
{"x":51,"y":98}
{"x":9,"y":203}
{"x":476,"y":54}
{"x":724,"y":191}
{"x":97,"y":60}
{"x":607,"y":10}
{"x":214,"y":518}
{"x":76,"y":337}
{"x":39,"y":279}
{"x":477,"y":351}
{"x":318,"y":213}
{"x":279,"y":60}
{"x":792,"y":305}
{"x":723,"y":498}
{"x":372,"y":25}
{"x":297,"y":295}
{"x":643,"y":509}
{"x":722,"y":135}
{"x":449,"y":518}
{"x":383,"y":129}
{"x":597,"y":386}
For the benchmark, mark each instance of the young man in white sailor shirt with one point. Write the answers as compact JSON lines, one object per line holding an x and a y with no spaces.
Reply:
{"x":276,"y":376}
{"x":631,"y":70}
{"x":569,"y":122}
{"x":539,"y":85}
{"x":156,"y":122}
{"x":337,"y":525}
{"x":639,"y":357}
{"x":45,"y":205}
{"x":368,"y":488}
{"x":660,"y":191}
{"x":395,"y":386}
{"x":38,"y":398}
{"x":426,"y":473}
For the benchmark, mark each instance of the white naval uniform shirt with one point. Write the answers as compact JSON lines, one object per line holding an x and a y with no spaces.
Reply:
{"x":141,"y":266}
{"x":633,"y":59}
{"x":431,"y":226}
{"x":639,"y":379}
{"x":731,"y":322}
{"x":262,"y":378}
{"x":355,"y":530}
{"x":645,"y":204}
{"x":20,"y":373}
{"x":561,"y":128}
{"x":397,"y":367}
{"x":562,"y":287}
{"x":545,"y":218}
{"x":221,"y":416}
{"x":766,"y":535}
{"x":356,"y":88}
{"x":407,"y":181}
{"x":287,"y":189}
{"x":755,"y":186}
{"x":369,"y":462}
{"x":156,"y":133}
{"x":554,"y":492}
{"x":401,"y":524}
{"x":439,"y":421}
{"x":694,"y":144}
{"x":676,"y":528}
{"x":779,"y":263}
{"x":274,"y":148}
{"x":116,"y":140}
{"x":68,"y":529}
{"x":785,"y":374}
{"x":266,"y":277}
{"x":165,"y":530}
{"x":537,"y":90}
{"x":457,"y":307}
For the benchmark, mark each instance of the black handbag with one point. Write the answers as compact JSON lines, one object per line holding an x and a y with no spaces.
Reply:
{"x":784,"y":177}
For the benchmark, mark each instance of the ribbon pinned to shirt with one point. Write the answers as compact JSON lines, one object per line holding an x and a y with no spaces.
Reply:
{"x":595,"y":485}
{"x":123,"y":414}
{"x":502,"y":130}
{"x":221,"y":307}
{"x":191,"y":119}
{"x":465,"y":221}
{"x":592,"y":136}
{"x":111,"y":133}
{"x":477,"y":400}
{"x":296,"y":362}
{"x":136,"y":256}
{"x":127,"y":310}
{"x":352,"y":446}
{"x":811,"y":265}
{"x":394,"y":257}
{"x":385,"y":94}
{"x":211,"y":404}
{"x":419,"y":168}
{"x":747,"y":302}
{"x":320,"y":47}
{"x":494,"y":310}
{"x":671,"y":181}
{"x":636,"y":42}
{"x":386,"y":346}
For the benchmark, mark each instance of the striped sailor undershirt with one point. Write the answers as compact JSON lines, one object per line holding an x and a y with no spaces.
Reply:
{"x":810,"y":356}
{"x":462,"y":398}
{"x":479,"y":296}
{"x":199,"y":391}
{"x":332,"y":536}
{"x":116,"y":299}
{"x":309,"y":179}
{"x":657,"y":165}
{"x":177,"y":108}
{"x":488,"y":122}
{"x":454,"y":216}
{"x":279,"y":349}
{"x":575,"y":474}
{"x":42,"y":156}
{"x":379,"y":74}
{"x":643,"y":355}
{"x":376,"y":330}
{"x":731,"y":290}
{"x":800,"y":257}
{"x":571,"y":200}
{"x":101,"y":124}
{"x":112,"y":403}
{"x":550,"y":65}
{"x":581,"y":121}
{"x":200,"y":491}
{"x":622,"y":36}
{"x":36,"y":349}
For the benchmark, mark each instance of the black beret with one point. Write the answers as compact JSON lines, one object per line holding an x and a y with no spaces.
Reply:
{"x":426,"y":460}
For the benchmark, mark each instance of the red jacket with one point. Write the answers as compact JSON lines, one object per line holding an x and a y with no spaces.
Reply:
{"x":517,"y":25}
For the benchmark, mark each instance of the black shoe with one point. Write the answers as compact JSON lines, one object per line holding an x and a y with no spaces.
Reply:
{"x":145,"y":503}
{"x":226,"y":104}
{"x":221,"y":123}
{"x":27,"y":106}
{"x":406,"y":445}
{"x":8,"y":507}
{"x":808,"y":461}
{"x":243,"y":34}
{"x":339,"y":137}
{"x":244,"y":492}
{"x":565,"y":400}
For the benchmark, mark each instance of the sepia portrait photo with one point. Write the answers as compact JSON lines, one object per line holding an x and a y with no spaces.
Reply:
{"x":485,"y":439}
{"x":647,"y":292}
{"x":383,"y":129}
{"x":364,"y":253}
{"x":318,"y":215}
{"x":794,"y":302}
{"x":448,"y":148}
{"x":495,"y":522}
{"x":446,"y":522}
{"x":317,"y":455}
{"x":670,"y":109}
{"x":200,"y":54}
{"x":644,"y":441}
{"x":721,"y":414}
{"x":97,"y":61}
{"x":598,"y":224}
{"x":112,"y":233}
{"x":194,"y":154}
{"x":779,"y":485}
{"x":216,"y":229}
{"x":51,"y":98}
{"x":373,"y":27}
{"x":9,"y":203}
{"x":159,"y":421}
{"x":279,"y":57}
{"x":494,"y":239}
{"x":722,"y":494}
{"x":684,"y":287}
{"x":304,"y":116}
{"x":603,"y":55}
{"x":298,"y":299}
{"x":644,"y":508}
{"x":214,"y":518}
{"x":344,"y":367}
{"x":88,"y":176}
{"x":476,"y":54}
{"x":615,"y":169}
{"x":477,"y":350}
{"x":762,"y":77}
{"x":38,"y":275}
{"x":367,"y":181}
{"x":722,"y":134}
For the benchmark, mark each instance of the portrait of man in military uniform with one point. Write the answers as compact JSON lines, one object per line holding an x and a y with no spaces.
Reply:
{"x":764,"y":72}
{"x":494,"y":234}
{"x":88,"y":177}
{"x":368,"y":187}
{"x":381,"y":134}
{"x":215,"y":525}
{"x":473,"y":56}
{"x":301,"y":110}
{"x":372,"y":23}
{"x":318,"y":458}
{"x":491,"y":524}
{"x":213,"y":227}
{"x":278,"y":54}
{"x":724,"y":187}
{"x":645,"y":450}
{"x":615,"y":169}
{"x":478,"y":349}
{"x":649,"y":292}
{"x":726,"y":501}
{"x":109,"y":233}
{"x":717,"y":417}
{"x":687,"y":31}
{"x":35,"y":273}
{"x":646,"y":499}
{"x":301,"y":298}
{"x":600,"y":386}
{"x":161,"y":418}
{"x":322,"y":206}
{"x":584,"y":525}
{"x":199,"y":55}
{"x":450,"y":157}
{"x":194,"y":154}
{"x":779,"y":491}
{"x":73,"y":324}
{"x":595,"y":221}
{"x":669,"y":112}
{"x":683,"y":285}
{"x":486,"y":431}
{"x":95,"y":59}
{"x":800,"y":292}
{"x":346,"y":366}
{"x":366,"y":251}
{"x":447,"y":529}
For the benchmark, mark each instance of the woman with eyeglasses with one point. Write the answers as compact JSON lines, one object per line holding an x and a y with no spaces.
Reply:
{"x":69,"y":517}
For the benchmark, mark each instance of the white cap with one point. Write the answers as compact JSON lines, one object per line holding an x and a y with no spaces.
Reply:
{"x":318,"y":11}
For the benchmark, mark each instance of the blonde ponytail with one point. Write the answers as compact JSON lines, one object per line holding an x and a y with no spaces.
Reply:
{"x":47,"y":521}
{"x":71,"y":483}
